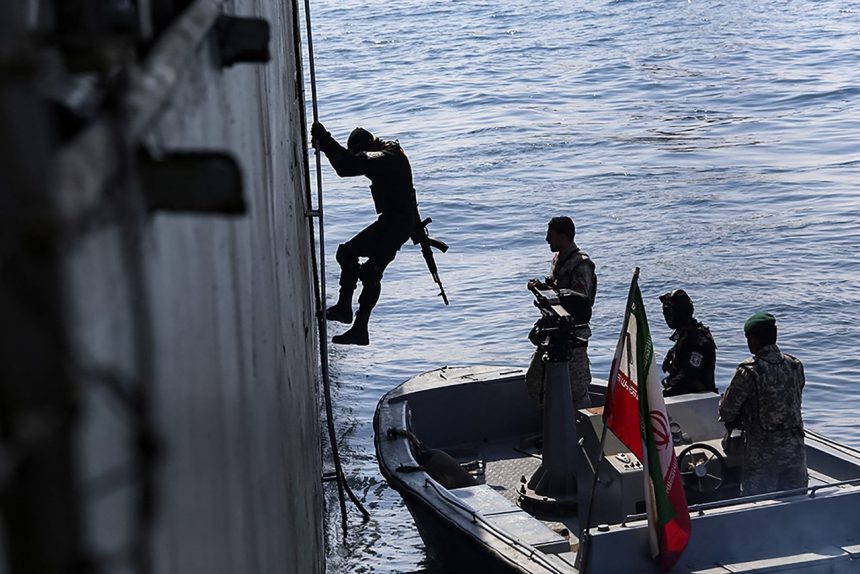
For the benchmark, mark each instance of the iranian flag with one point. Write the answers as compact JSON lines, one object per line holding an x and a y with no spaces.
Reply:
{"x":636,"y":413}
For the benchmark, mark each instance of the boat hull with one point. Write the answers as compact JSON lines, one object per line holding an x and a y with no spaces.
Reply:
{"x":480,"y":529}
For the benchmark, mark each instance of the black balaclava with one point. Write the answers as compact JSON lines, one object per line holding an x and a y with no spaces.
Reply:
{"x":677,"y":308}
{"x":359,"y":140}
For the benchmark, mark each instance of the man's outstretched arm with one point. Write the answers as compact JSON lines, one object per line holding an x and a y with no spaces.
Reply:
{"x":345,"y":164}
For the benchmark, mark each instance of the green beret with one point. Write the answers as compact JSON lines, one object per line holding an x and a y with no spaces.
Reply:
{"x":760,"y":319}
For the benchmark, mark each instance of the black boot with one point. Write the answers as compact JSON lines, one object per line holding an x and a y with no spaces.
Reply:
{"x":342,"y":310}
{"x":355,"y":335}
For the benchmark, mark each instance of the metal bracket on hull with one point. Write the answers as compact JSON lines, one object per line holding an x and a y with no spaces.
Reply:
{"x":243,"y":40}
{"x":197,"y":182}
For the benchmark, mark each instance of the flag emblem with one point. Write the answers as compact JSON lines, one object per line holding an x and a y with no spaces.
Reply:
{"x":636,"y":413}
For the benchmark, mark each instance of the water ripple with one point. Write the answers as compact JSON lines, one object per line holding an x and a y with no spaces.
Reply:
{"x":712,"y":144}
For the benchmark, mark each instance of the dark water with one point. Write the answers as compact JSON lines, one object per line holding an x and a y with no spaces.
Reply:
{"x":715,"y":145}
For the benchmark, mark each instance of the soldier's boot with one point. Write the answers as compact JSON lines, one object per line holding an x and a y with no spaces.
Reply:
{"x":342,"y":310}
{"x":357,"y":334}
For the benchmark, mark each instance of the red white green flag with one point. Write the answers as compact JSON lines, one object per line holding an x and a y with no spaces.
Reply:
{"x":636,"y":413}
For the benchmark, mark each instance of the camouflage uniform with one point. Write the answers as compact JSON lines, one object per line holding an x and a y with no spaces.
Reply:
{"x":690,"y":362}
{"x":764,"y":399}
{"x":573,"y":269}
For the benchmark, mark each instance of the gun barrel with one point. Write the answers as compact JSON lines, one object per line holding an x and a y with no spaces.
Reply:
{"x":441,"y":288}
{"x":429,"y":259}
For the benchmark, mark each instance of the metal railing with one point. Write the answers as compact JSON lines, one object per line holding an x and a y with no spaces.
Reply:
{"x":810,"y":491}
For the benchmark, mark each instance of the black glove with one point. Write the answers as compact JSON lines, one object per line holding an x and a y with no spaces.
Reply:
{"x":536,"y":283}
{"x":533,"y":334}
{"x":318,"y":133}
{"x":667,"y":362}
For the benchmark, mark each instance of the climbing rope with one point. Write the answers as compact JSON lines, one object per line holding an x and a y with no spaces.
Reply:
{"x":319,"y":279}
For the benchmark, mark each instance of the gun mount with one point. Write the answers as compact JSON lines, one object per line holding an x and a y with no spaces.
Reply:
{"x":561,"y":312}
{"x":552,"y":489}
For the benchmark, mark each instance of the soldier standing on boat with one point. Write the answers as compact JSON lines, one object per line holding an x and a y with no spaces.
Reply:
{"x":387,"y":167}
{"x":572,"y":269}
{"x":764,"y":400}
{"x":690,"y":363}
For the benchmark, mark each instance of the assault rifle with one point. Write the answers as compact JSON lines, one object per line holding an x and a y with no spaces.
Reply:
{"x":422,"y":237}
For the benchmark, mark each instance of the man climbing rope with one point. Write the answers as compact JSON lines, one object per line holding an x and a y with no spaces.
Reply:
{"x":387,"y":167}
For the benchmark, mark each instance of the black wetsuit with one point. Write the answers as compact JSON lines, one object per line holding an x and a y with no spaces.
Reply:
{"x":690,"y":363}
{"x":394,"y":198}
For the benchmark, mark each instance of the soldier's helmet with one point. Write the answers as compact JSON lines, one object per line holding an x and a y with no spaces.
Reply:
{"x":677,"y":307}
{"x":359,"y":140}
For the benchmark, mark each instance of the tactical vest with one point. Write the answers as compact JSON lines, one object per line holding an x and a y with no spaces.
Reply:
{"x":392,"y":189}
{"x":778,"y":388}
{"x":580,"y":257}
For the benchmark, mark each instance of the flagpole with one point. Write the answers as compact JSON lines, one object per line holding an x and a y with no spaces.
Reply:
{"x":582,"y":553}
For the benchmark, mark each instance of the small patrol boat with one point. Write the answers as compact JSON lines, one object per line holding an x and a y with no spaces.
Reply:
{"x":462,"y":446}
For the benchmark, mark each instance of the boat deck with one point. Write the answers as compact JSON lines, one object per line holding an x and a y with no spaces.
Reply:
{"x":503,"y":466}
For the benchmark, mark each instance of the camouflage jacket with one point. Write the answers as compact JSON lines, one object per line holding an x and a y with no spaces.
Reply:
{"x":573,"y":269}
{"x":765,"y":395}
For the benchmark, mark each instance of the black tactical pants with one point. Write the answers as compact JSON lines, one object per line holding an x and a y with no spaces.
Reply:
{"x":379,"y":242}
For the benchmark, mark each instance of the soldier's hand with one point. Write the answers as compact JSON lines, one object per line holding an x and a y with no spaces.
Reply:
{"x":725,"y":441}
{"x":318,"y":132}
{"x":667,"y":362}
{"x":533,"y":334}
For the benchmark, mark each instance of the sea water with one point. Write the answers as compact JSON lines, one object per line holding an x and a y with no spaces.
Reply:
{"x":715,"y":145}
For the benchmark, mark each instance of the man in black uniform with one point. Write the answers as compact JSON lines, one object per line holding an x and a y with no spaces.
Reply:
{"x":690,"y":362}
{"x":387,"y":167}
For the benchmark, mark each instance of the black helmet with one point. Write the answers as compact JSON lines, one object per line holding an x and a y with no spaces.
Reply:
{"x":677,"y":308}
{"x":359,"y":140}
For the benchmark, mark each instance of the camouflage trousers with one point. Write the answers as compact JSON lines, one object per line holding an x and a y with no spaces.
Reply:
{"x":774,"y":461}
{"x":580,"y":377}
